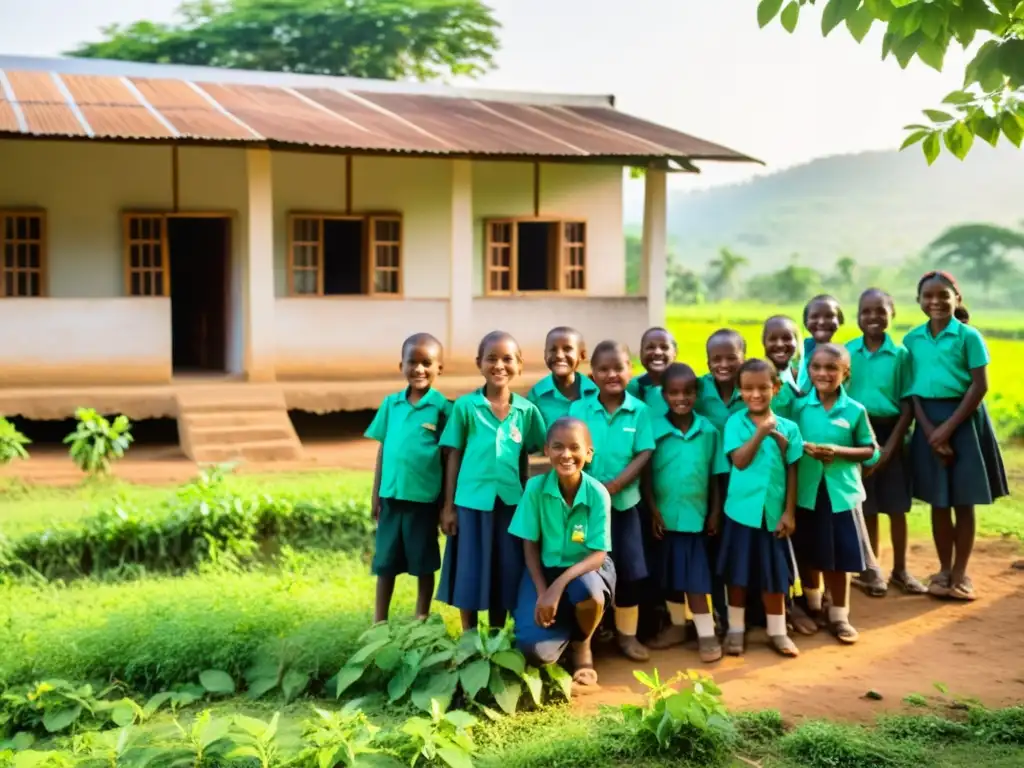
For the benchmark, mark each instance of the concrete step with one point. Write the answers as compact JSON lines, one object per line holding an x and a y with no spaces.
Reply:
{"x":266,"y":450}
{"x":207,"y":419}
{"x":240,"y":434}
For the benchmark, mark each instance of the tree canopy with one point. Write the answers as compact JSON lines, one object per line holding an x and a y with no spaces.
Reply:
{"x":390,"y":39}
{"x":991,"y":103}
{"x":980,"y":251}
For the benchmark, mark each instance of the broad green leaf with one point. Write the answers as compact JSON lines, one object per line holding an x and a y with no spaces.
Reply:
{"x":460,"y":719}
{"x":22,"y":740}
{"x":474,"y":677}
{"x":513,"y":661}
{"x":293,"y":684}
{"x":213,"y":730}
{"x":1013,"y":128}
{"x":346,"y":677}
{"x":439,"y":657}
{"x":1011,"y":61}
{"x":400,"y":684}
{"x":124,"y":713}
{"x":388,"y":657}
{"x":931,"y":54}
{"x":959,"y":97}
{"x":959,"y":140}
{"x":711,"y":687}
{"x":534,"y":684}
{"x":677,"y":705}
{"x":506,"y":692}
{"x":790,"y":16}
{"x":643,"y":678}
{"x":859,"y":23}
{"x":768,"y":10}
{"x":561,"y":678}
{"x":835,"y":13}
{"x":438,"y":687}
{"x":696,"y":716}
{"x":492,"y":715}
{"x":56,"y":720}
{"x":938,"y":116}
{"x":665,"y":730}
{"x":365,"y":654}
{"x":217,"y":681}
{"x":913,"y":138}
{"x":263,"y":685}
{"x":931,"y":146}
{"x":985,"y":128}
{"x":155,"y":703}
{"x":376,"y":633}
{"x":243,"y":753}
{"x":454,"y":757}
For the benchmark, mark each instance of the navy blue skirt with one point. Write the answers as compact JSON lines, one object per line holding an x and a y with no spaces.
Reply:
{"x":684,"y":564}
{"x":754,"y":556}
{"x":628,"y":545}
{"x":889,"y":490}
{"x":483,"y":562}
{"x":976,"y":475}
{"x":825,"y":540}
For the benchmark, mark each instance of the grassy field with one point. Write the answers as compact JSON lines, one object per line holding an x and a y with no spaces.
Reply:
{"x":301,"y":612}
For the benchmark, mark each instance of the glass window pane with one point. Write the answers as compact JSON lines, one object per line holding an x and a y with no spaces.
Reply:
{"x":305,"y":282}
{"x":35,"y":227}
{"x":158,"y":283}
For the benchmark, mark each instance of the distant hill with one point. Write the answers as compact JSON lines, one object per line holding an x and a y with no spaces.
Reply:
{"x":878,"y":207}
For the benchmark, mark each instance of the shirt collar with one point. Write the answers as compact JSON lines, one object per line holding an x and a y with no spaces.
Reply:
{"x":888,"y":346}
{"x":547,"y":385}
{"x":431,"y":397}
{"x":710,"y":387}
{"x":666,"y":427}
{"x":953,"y":329}
{"x":841,"y":402}
{"x":517,"y":402}
{"x":551,"y":489}
{"x":629,"y":404}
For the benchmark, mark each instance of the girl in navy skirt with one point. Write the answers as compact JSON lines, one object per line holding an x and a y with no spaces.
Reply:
{"x":837,"y":440}
{"x":490,"y":433}
{"x":682,"y":492}
{"x":759,"y":508}
{"x":620,"y":426}
{"x":955,"y":458}
{"x":879,"y":380}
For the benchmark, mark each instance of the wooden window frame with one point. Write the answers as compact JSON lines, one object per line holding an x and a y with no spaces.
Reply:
{"x":562,"y":248}
{"x":369,"y":253}
{"x":41,"y":271}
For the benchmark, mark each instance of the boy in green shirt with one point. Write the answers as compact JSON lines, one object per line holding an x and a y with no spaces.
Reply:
{"x":564,"y":520}
{"x":407,"y":481}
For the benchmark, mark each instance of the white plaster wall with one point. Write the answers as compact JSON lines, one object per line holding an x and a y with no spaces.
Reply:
{"x":83,"y":341}
{"x":529,"y":318}
{"x":417,"y":188}
{"x":589,"y":192}
{"x":325,"y":338}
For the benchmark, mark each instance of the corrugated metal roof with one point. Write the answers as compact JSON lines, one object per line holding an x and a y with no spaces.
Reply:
{"x":328,"y":113}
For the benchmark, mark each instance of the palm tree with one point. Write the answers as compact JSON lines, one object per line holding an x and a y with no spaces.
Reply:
{"x":724,"y":270}
{"x":980,"y":252}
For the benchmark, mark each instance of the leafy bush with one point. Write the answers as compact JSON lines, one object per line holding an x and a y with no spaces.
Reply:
{"x":203,"y":523}
{"x":96,"y":442}
{"x":423,"y":661}
{"x":691,"y":724}
{"x":12,"y":443}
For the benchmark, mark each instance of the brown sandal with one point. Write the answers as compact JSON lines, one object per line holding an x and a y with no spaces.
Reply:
{"x":907,"y":584}
{"x":735,"y":643}
{"x":784,"y":646}
{"x":710,"y":649}
{"x":938,"y":585}
{"x":632,"y":648}
{"x":963,"y":590}
{"x":844,"y":632}
{"x":872,"y":583}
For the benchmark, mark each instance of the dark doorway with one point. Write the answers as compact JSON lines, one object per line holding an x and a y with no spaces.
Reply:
{"x":537,"y":256}
{"x":343,"y":257}
{"x":199,"y":249}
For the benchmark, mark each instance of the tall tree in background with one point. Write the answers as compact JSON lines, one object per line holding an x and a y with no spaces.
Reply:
{"x":979,"y":252}
{"x":724,"y":271}
{"x":991,"y":103}
{"x":421,"y":39}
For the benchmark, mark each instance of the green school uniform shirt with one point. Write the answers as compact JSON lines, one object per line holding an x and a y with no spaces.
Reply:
{"x":758,"y":493}
{"x":567,"y":534}
{"x":682,"y":466}
{"x":710,"y":403}
{"x":649,"y":394}
{"x":410,"y":434}
{"x":491,"y":448}
{"x":941,"y":365}
{"x":782,"y":403}
{"x":551,"y":403}
{"x":879,"y":380}
{"x":618,"y":438}
{"x":803,"y":378}
{"x":845,"y":425}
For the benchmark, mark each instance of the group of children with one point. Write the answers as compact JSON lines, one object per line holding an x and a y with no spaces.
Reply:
{"x":677,"y":503}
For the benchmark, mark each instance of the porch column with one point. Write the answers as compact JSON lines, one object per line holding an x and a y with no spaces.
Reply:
{"x":655,"y":234}
{"x":258,"y":272}
{"x":460,"y":280}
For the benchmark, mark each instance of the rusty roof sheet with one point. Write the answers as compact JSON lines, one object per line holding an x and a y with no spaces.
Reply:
{"x":318,"y":114}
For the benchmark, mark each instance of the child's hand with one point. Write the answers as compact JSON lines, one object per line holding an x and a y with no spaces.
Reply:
{"x":657,"y":524}
{"x":945,"y":453}
{"x":449,"y":521}
{"x":780,"y":441}
{"x":826,"y":453}
{"x":375,"y":505}
{"x":940,"y":435}
{"x":612,"y":487}
{"x":547,"y":606}
{"x":768,"y":426}
{"x":713,"y":524}
{"x":787,"y":524}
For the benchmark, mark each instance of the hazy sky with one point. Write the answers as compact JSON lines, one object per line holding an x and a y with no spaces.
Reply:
{"x":701,"y":66}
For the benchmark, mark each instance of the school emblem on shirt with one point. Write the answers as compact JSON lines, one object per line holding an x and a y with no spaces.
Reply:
{"x":841,"y":423}
{"x":431,"y":427}
{"x":578,"y":534}
{"x":515,"y":434}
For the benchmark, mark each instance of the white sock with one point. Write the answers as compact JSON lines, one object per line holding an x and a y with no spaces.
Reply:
{"x":737,"y":619}
{"x":705,"y":624}
{"x":776,"y":625}
{"x":813,"y":598}
{"x":836,"y":613}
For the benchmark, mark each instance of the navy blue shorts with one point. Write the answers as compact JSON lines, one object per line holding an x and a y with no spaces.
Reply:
{"x":628,"y":545}
{"x":754,"y":558}
{"x":545,"y":645}
{"x":483,"y":562}
{"x":976,"y":475}
{"x":684,"y":564}
{"x":406,"y":539}
{"x":825,"y":540}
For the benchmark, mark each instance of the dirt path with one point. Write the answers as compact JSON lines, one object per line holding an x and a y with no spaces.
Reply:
{"x":906,"y":645}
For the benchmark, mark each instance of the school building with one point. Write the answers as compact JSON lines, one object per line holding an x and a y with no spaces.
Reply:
{"x":221,"y":246}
